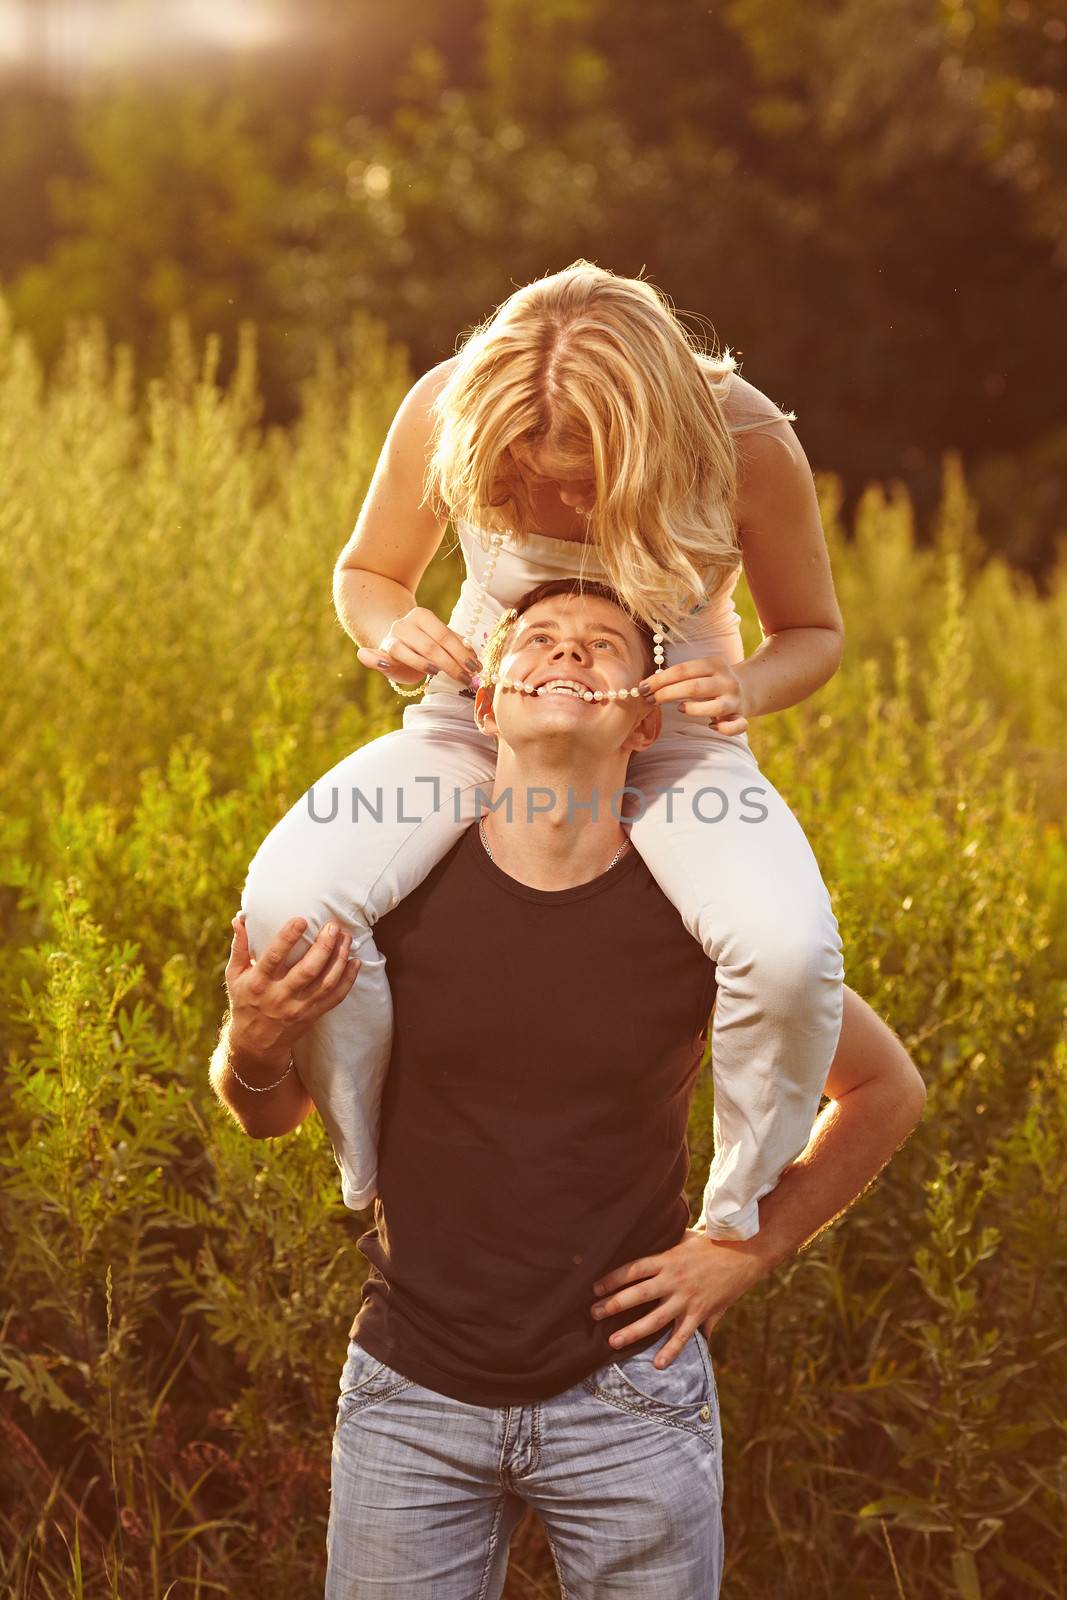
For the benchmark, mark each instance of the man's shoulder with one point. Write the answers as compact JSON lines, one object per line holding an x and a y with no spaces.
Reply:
{"x":443,"y":879}
{"x":662,"y":925}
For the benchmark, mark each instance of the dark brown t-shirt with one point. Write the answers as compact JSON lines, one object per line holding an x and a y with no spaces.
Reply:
{"x":534,"y":1117}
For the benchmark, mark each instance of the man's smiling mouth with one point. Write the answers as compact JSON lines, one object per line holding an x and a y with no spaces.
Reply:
{"x":572,"y":688}
{"x":567,"y":686}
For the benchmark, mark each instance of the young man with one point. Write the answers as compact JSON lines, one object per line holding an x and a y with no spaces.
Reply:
{"x":534,"y":1323}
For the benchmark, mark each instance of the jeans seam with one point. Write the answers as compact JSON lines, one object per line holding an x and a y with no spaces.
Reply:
{"x":560,"y":1579}
{"x":494,"y":1534}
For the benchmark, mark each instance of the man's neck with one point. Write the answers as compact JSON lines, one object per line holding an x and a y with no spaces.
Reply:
{"x":555,"y":825}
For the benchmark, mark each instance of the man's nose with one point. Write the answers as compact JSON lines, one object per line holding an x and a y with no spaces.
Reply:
{"x":574,"y":646}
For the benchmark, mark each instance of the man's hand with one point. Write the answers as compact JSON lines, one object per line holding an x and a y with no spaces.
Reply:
{"x":693,"y":1285}
{"x":709,"y":691}
{"x":270,"y":1006}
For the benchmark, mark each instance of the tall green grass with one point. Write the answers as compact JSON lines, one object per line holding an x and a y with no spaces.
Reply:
{"x":177,"y":1295}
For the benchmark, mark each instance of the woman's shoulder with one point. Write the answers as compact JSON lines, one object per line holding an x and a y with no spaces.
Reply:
{"x":744,"y":406}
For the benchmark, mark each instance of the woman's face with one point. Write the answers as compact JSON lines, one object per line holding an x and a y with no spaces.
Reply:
{"x":574,"y":483}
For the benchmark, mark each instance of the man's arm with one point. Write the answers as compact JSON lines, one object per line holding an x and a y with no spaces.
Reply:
{"x":271,"y":1004}
{"x":263,"y":1113}
{"x":876,"y":1098}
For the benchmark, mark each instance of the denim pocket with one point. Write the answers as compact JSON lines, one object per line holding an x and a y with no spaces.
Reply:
{"x":366,"y":1381}
{"x":681,"y":1395}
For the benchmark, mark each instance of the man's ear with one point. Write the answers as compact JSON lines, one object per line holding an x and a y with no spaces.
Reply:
{"x":483,"y":710}
{"x":647,"y":731}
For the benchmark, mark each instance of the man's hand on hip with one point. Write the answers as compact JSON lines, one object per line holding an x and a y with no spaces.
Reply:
{"x":693,"y":1285}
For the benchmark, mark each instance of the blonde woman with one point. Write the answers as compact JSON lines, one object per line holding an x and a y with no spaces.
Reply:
{"x":579,"y":432}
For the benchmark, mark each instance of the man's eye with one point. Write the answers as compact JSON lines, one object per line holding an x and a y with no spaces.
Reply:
{"x":534,"y":637}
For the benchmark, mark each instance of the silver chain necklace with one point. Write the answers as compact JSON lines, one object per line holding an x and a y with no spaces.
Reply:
{"x":489,"y":853}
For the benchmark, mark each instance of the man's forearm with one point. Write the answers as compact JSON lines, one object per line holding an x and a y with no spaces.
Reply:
{"x":262,"y":1115}
{"x":368,"y":604}
{"x":852,"y":1140}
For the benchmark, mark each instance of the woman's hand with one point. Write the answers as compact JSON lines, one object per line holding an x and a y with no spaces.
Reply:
{"x":692,"y":1286}
{"x":708,"y":690}
{"x":417,"y":644}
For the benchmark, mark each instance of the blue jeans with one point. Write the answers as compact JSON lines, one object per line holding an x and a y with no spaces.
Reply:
{"x":624,"y":1471}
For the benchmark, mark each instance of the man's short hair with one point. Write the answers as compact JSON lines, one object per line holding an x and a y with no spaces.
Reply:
{"x":496,"y":644}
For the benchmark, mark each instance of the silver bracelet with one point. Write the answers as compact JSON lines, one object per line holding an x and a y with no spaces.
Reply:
{"x":262,"y":1088}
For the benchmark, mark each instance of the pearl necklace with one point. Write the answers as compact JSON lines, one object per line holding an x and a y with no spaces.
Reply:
{"x":489,"y":853}
{"x":633,"y":693}
{"x":482,"y":589}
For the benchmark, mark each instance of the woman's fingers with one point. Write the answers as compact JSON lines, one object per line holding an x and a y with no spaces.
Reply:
{"x":453,"y":656}
{"x":407,"y":657}
{"x":697,"y":668}
{"x":691,"y":689}
{"x":462,"y":657}
{"x":418,"y":645}
{"x":443,"y":648}
{"x":368,"y":656}
{"x":421,"y":638}
{"x":727,"y":717}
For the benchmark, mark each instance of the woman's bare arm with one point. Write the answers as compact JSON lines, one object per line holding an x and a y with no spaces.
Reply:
{"x":787,"y":566}
{"x":395,"y":538}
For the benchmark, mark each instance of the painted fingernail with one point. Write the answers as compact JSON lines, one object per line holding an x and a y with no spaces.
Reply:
{"x":384,"y":663}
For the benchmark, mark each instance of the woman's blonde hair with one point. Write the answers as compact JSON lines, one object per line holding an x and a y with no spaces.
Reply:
{"x":587,"y":363}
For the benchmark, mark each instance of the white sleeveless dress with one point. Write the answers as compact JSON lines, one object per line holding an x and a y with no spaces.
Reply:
{"x":720,"y":841}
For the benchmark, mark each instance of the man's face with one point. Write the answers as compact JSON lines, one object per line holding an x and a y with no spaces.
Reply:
{"x":588,"y":643}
